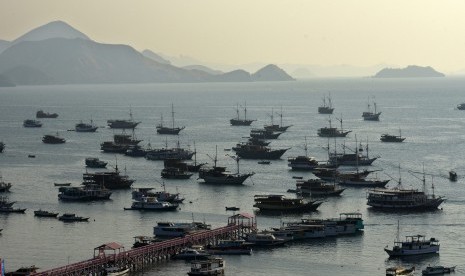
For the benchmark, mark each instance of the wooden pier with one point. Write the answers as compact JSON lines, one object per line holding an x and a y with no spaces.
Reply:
{"x":142,"y":257}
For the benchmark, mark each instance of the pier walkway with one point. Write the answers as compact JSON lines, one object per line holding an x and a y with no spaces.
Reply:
{"x":138,"y":258}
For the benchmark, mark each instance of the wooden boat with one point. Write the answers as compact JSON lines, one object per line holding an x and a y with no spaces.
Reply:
{"x":116,"y":271}
{"x":169,"y":130}
{"x":42,"y":114}
{"x":67,"y":217}
{"x":399,"y":270}
{"x":437,"y":270}
{"x":4,"y":186}
{"x":233,"y":208}
{"x":241,"y":122}
{"x":12,"y":210}
{"x":193,"y":253}
{"x":413,"y":245}
{"x":62,"y":184}
{"x":280,"y":203}
{"x":371,"y":115}
{"x":392,"y":138}
{"x":53,"y":139}
{"x":326,"y":108}
{"x":264,"y":162}
{"x":47,"y":214}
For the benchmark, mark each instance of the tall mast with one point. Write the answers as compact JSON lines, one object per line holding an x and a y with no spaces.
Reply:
{"x":281,"y":115}
{"x":245,"y":111}
{"x":237,"y":111}
{"x":330,"y":104}
{"x":172,"y":114}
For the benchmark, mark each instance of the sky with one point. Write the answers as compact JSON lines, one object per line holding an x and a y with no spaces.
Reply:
{"x":323,"y":32}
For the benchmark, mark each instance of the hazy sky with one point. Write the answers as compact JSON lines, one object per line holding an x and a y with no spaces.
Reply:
{"x":326,"y":32}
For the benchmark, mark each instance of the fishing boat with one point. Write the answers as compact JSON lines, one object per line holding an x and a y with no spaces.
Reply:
{"x":212,"y":266}
{"x":32,"y":123}
{"x":5,"y":209}
{"x":65,"y":184}
{"x":136,"y":151}
{"x":264,"y":162}
{"x":461,"y":106}
{"x":93,"y":162}
{"x":317,"y":187}
{"x":175,"y":173}
{"x":170,"y":153}
{"x":326,"y":108}
{"x":264,"y":133}
{"x":108,"y":179}
{"x":303,"y":163}
{"x":273,"y":127}
{"x":152,"y":204}
{"x":123,"y":124}
{"x":282,"y":204}
{"x":169,"y":130}
{"x":357,"y":158}
{"x":230,"y":247}
{"x":43,"y":213}
{"x":346,"y":224}
{"x":331,"y":174}
{"x":53,"y":139}
{"x":219,"y":175}
{"x":89,"y":192}
{"x":68,"y":217}
{"x":360,"y":181}
{"x":140,"y":241}
{"x":247,"y":151}
{"x":164,"y":196}
{"x":4,"y":186}
{"x":437,"y":270}
{"x":392,"y":138}
{"x":399,"y":271}
{"x":41,"y":114}
{"x":371,"y":114}
{"x":83,"y":127}
{"x":241,"y":122}
{"x":232,"y":208}
{"x":332,"y":131}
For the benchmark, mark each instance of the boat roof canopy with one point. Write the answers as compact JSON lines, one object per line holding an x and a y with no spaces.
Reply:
{"x":109,"y":246}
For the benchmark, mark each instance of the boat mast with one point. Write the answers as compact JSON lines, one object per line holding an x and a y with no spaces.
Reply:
{"x":398,"y":231}
{"x":281,"y":115}
{"x":237,"y":111}
{"x":272,"y":116}
{"x":245,"y":111}
{"x":305,"y":147}
{"x":330,"y":104}
{"x":172,"y":114}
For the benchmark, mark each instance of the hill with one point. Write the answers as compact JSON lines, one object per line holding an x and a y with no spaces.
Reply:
{"x":411,"y":71}
{"x":271,"y":72}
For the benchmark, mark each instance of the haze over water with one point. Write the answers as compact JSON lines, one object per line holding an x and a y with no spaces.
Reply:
{"x":422,"y":108}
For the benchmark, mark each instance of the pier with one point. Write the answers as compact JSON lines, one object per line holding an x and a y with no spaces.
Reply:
{"x":142,"y":257}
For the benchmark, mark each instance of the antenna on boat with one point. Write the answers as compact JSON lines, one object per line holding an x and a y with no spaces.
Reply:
{"x":237,"y":111}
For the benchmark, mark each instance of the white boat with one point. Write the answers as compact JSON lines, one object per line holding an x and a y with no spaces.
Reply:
{"x":168,"y":230}
{"x":116,"y":271}
{"x":264,"y":239}
{"x":193,"y":253}
{"x":437,"y":270}
{"x":213,"y":266}
{"x":230,"y":247}
{"x":399,"y":270}
{"x":413,"y":245}
{"x":152,"y":204}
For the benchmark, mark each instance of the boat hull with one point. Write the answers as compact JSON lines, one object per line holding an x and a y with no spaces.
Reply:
{"x":239,"y":122}
{"x":227,"y":180}
{"x":270,"y":155}
{"x":411,"y":252}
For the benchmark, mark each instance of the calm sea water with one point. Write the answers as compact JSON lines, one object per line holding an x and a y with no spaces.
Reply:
{"x":422,"y":108}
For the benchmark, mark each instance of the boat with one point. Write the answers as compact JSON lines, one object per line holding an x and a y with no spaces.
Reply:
{"x":43,"y":213}
{"x":170,"y":153}
{"x":392,"y":138}
{"x":357,"y":158}
{"x":152,"y":204}
{"x":360,"y":181}
{"x":4,"y":186}
{"x":452,"y":176}
{"x":41,"y":114}
{"x":4,"y":209}
{"x":413,"y":245}
{"x":175,"y":173}
{"x":93,"y":162}
{"x":346,"y":224}
{"x":326,"y":108}
{"x":317,"y":187}
{"x":108,"y":179}
{"x":123,"y":124}
{"x":230,"y":247}
{"x":164,"y":196}
{"x":168,"y":230}
{"x":264,"y":133}
{"x":212,"y":266}
{"x":140,"y":241}
{"x":283,"y":204}
{"x":263,"y":239}
{"x":232,"y":208}
{"x":169,"y":130}
{"x":331,"y":174}
{"x":136,"y":151}
{"x":68,"y":217}
{"x":273,"y":127}
{"x":461,"y":106}
{"x":437,"y":270}
{"x":241,"y":122}
{"x":23,"y":271}
{"x":89,"y":192}
{"x":116,"y":271}
{"x":247,"y":151}
{"x":121,"y":143}
{"x":65,"y":184}
{"x":332,"y":131}
{"x":31,"y":156}
{"x":371,"y":115}
{"x":32,"y":123}
{"x":399,"y":270}
{"x":219,"y":175}
{"x":83,"y":127}
{"x":264,"y":162}
{"x":4,"y":202}
{"x":2,"y":146}
{"x":192,"y":253}
{"x":53,"y":139}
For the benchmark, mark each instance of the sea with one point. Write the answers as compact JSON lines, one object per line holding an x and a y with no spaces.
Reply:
{"x":422,"y":109}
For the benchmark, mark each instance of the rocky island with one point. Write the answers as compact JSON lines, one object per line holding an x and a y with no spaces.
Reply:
{"x":411,"y":71}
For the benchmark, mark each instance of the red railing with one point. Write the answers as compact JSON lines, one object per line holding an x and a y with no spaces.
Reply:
{"x":133,"y":253}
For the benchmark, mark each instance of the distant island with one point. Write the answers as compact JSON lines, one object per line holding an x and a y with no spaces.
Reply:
{"x":411,"y":71}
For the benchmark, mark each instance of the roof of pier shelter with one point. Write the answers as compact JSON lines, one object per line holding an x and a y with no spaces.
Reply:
{"x":109,"y":246}
{"x":243,"y":215}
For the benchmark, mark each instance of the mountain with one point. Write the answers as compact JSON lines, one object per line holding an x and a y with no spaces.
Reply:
{"x":54,"y":29}
{"x":411,"y":71}
{"x":271,"y":72}
{"x":156,"y":57}
{"x":203,"y":68}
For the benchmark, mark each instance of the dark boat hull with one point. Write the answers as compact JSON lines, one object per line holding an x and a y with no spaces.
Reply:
{"x":239,"y":122}
{"x":267,"y":155}
{"x":169,"y":131}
